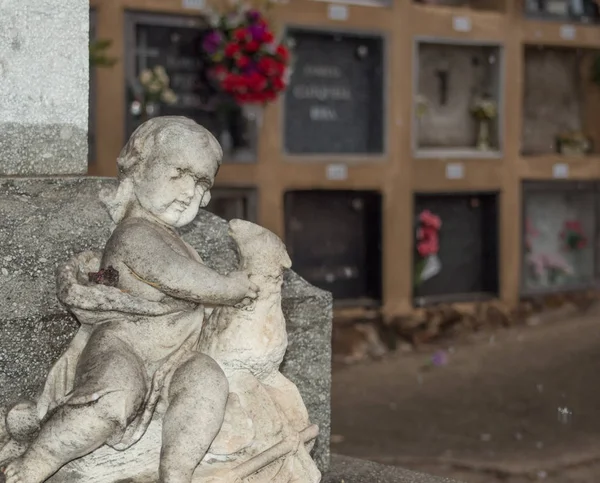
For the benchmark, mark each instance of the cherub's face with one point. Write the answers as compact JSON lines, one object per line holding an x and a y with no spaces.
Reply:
{"x":174,"y":187}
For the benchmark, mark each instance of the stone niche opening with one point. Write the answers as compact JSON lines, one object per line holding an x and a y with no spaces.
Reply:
{"x":455,"y":85}
{"x":559,"y":236}
{"x":490,"y":5}
{"x":335,"y":101}
{"x":230,"y":203}
{"x":334,"y":240}
{"x":584,"y":11}
{"x":174,"y":42}
{"x":560,"y":101}
{"x":466,"y":268}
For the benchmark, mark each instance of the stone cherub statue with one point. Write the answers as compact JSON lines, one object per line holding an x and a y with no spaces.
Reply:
{"x":173,"y":375}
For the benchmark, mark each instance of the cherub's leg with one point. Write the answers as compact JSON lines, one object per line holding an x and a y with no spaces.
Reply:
{"x":79,"y":427}
{"x":197,"y":398}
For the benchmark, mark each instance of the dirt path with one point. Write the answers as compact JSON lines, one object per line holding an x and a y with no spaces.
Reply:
{"x":490,"y":414}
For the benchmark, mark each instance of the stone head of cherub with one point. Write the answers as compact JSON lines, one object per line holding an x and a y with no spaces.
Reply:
{"x":166,"y":171}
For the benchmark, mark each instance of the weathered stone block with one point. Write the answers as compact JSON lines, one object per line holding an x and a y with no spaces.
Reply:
{"x":46,"y":221}
{"x":44,"y":64}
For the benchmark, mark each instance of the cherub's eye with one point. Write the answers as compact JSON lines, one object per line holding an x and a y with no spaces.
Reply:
{"x":177,"y":173}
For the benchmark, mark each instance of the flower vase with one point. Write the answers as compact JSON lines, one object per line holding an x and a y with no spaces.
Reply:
{"x":483,"y":135}
{"x":253,"y":113}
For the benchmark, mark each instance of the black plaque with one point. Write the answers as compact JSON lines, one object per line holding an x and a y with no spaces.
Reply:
{"x":334,"y":239}
{"x":176,"y":44}
{"x":334,"y":103}
{"x":468,"y":245}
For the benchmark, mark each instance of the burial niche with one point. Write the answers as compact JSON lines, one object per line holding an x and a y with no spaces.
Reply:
{"x":558,"y":235}
{"x":455,"y":247}
{"x":334,"y":239}
{"x":456,"y":99}
{"x":557,"y":84}
{"x":174,"y":42}
{"x":334,"y":104}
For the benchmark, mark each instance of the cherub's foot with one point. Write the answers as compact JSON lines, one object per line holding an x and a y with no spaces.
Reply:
{"x":27,"y":469}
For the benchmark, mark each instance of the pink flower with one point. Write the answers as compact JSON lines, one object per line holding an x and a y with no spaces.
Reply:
{"x":530,"y":229}
{"x":538,"y":262}
{"x":428,"y":247}
{"x":430,"y":220}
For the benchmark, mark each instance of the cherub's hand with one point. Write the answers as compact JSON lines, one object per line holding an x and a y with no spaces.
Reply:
{"x":243,"y":291}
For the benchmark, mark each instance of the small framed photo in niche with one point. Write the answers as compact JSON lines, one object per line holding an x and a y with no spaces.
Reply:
{"x":457,"y":100}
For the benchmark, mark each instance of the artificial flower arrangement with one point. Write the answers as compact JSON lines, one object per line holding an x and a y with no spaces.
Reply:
{"x":484,"y":109}
{"x":246,"y":61}
{"x":551,"y":266}
{"x":572,"y":236}
{"x":422,"y":105}
{"x":427,"y":263}
{"x":573,"y":143}
{"x":151,"y":89}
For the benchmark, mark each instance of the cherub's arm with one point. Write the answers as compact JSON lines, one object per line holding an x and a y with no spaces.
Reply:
{"x":146,"y":254}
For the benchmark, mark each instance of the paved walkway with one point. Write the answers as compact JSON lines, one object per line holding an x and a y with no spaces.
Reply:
{"x":495,"y":412}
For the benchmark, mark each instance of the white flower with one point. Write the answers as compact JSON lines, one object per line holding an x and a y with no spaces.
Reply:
{"x":155,"y":87}
{"x":161,"y":73}
{"x":146,"y":77}
{"x":168,"y":97}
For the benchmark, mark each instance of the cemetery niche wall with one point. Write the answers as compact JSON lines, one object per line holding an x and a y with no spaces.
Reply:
{"x":559,"y":235}
{"x":231,"y":203}
{"x":554,"y":101}
{"x":457,"y":99}
{"x":334,"y":240}
{"x":455,"y":247}
{"x":334,"y":103}
{"x":585,"y":11}
{"x":174,"y":43}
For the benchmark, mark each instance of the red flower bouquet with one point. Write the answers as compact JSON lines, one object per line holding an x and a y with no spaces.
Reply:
{"x":572,"y":236}
{"x":248,"y":63}
{"x":427,"y":264}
